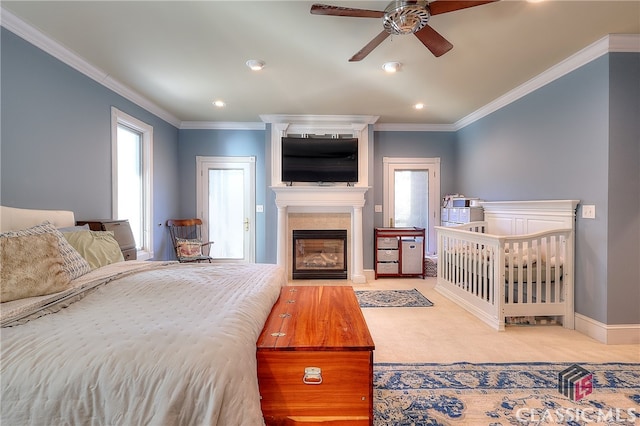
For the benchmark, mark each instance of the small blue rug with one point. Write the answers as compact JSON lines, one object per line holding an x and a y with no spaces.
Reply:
{"x":392,"y":299}
{"x":502,"y":394}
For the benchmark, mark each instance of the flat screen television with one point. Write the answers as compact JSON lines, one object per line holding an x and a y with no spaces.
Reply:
{"x":319,"y":159}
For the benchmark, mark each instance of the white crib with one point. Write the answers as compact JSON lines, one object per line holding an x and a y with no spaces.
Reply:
{"x":517,"y":263}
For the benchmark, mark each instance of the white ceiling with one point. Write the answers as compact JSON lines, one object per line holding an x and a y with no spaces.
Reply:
{"x":183,"y":55}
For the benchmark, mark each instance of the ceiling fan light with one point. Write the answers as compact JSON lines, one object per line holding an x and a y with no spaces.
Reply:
{"x":255,"y":64}
{"x":391,"y":67}
{"x":403,"y":17}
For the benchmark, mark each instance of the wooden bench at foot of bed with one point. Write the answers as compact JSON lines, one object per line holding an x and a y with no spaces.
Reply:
{"x":315,"y":359}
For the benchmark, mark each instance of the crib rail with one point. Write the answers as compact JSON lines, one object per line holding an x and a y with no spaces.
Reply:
{"x":500,"y":276}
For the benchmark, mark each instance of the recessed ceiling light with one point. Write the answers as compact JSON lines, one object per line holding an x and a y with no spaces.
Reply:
{"x":255,"y":64}
{"x":391,"y":66}
{"x":219,"y":103}
{"x":419,"y":105}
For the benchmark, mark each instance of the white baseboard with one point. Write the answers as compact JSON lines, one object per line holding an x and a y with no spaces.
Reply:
{"x":617,"y":334}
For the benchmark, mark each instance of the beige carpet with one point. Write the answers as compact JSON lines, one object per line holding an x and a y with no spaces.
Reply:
{"x":446,"y":333}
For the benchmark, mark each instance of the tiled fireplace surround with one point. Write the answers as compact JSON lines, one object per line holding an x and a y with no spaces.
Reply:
{"x":312,"y":206}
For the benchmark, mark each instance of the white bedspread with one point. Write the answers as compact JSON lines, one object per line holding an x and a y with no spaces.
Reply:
{"x":174,"y":345}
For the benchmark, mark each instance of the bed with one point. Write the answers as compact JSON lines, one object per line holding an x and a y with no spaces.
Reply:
{"x":517,"y":263}
{"x":135,"y":342}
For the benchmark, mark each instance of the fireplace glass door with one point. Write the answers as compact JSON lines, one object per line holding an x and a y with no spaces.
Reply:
{"x":319,"y":254}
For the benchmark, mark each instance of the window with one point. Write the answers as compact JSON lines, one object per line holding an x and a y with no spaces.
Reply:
{"x":131,"y":153}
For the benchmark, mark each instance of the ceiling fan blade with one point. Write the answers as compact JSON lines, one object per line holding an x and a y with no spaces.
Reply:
{"x":369,"y":47}
{"x":325,"y":9}
{"x":437,"y":44}
{"x":444,"y":6}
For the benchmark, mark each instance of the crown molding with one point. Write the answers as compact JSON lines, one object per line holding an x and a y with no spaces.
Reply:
{"x":313,"y":119}
{"x":610,"y":43}
{"x":222,"y":125}
{"x":410,"y":127}
{"x":30,"y":34}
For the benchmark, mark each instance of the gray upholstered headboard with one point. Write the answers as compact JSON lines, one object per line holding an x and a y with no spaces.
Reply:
{"x":12,"y":219}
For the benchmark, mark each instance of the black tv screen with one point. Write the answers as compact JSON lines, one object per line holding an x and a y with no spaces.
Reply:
{"x":319,"y":159}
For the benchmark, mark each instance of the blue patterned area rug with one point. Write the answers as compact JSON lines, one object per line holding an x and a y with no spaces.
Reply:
{"x":502,"y":394}
{"x":392,"y":299}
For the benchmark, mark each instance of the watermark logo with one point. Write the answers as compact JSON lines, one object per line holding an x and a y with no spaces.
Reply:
{"x":575,"y":382}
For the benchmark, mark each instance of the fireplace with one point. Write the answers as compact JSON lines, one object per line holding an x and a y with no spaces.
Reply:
{"x":319,"y":253}
{"x":320,"y":201}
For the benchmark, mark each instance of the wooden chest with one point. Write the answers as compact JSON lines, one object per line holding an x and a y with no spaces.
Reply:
{"x":315,"y":359}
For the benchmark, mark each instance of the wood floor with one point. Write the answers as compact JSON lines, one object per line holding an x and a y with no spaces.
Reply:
{"x":446,"y":333}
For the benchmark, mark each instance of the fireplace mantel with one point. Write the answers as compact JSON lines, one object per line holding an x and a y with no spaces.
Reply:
{"x":323,"y":199}
{"x":336,"y":198}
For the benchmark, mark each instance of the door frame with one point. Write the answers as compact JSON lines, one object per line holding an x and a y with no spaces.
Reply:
{"x":390,"y":164}
{"x":204,"y":163}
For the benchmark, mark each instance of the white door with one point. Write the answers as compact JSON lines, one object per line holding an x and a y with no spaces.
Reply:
{"x":226,"y":204}
{"x":411,"y":191}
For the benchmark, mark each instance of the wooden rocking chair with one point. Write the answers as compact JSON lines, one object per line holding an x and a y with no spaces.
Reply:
{"x":186,"y":235}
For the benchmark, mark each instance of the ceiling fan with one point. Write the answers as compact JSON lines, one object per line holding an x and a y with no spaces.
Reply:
{"x":403,"y":17}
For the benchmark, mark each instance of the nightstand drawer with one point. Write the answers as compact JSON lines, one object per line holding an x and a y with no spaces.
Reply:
{"x":130,"y":254}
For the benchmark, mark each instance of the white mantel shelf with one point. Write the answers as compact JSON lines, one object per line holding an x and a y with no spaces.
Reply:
{"x":323,"y":199}
{"x":320,"y":196}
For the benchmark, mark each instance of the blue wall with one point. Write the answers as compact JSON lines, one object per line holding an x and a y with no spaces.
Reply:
{"x":567,"y":140}
{"x":229,"y":143}
{"x":415,"y":144}
{"x":574,"y":138}
{"x":56,"y":139}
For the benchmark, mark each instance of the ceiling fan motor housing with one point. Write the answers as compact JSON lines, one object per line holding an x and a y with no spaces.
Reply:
{"x":405,"y":17}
